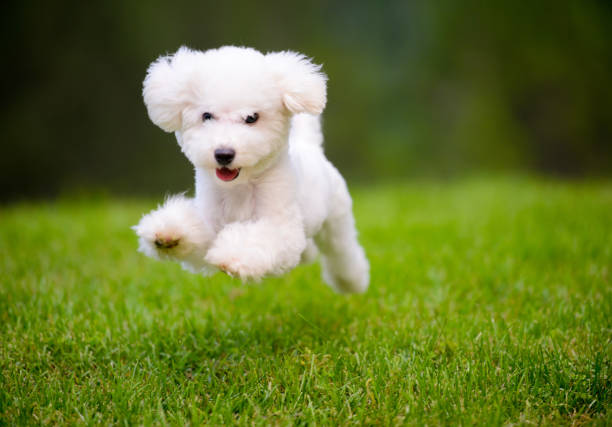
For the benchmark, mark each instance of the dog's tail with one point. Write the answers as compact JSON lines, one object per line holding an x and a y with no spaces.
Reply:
{"x":306,"y":129}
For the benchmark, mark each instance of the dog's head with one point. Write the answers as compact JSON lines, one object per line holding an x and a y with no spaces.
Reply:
{"x":230,"y":107}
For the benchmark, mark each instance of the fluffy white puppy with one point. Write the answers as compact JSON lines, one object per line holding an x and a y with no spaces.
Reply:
{"x":266,"y":197}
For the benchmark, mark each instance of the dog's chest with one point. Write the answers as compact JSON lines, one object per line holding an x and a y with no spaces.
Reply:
{"x":238,"y":205}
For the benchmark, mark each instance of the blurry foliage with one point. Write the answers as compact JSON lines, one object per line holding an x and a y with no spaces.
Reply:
{"x":416,"y":88}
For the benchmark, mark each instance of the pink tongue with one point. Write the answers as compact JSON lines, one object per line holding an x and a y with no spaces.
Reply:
{"x":226,"y":174}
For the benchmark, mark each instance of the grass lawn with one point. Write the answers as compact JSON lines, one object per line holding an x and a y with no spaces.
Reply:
{"x":490,"y":303}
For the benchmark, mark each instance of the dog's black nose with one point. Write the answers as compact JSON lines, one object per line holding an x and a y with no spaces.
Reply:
{"x":224,"y":156}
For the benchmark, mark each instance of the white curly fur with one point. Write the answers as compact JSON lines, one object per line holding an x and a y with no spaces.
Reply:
{"x":287,"y":203}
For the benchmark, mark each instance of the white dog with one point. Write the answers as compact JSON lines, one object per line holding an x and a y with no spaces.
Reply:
{"x":266,"y":197}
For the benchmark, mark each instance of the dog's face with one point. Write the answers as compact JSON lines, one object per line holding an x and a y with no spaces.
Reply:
{"x":230,"y":108}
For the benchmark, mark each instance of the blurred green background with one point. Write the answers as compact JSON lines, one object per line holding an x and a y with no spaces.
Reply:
{"x":416,"y":89}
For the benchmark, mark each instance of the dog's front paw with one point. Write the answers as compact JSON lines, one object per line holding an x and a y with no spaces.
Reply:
{"x":159,"y":239}
{"x":174,"y":231}
{"x":251,"y":251}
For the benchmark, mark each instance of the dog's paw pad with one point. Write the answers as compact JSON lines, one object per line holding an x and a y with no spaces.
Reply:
{"x":166,"y":242}
{"x":234,"y":268}
{"x":229,"y":267}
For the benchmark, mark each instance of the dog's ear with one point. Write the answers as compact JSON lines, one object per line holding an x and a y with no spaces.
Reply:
{"x":165,"y":89}
{"x":303,"y":84}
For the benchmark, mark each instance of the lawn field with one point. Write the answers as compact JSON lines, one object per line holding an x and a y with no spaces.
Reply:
{"x":490,"y":303}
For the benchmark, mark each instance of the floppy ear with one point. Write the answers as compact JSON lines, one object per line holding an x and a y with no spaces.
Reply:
{"x":164,"y":89}
{"x":303,"y":84}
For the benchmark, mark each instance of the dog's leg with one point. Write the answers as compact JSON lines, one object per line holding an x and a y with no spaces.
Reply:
{"x":345,"y":266}
{"x":268,"y":246}
{"x":176,"y":231}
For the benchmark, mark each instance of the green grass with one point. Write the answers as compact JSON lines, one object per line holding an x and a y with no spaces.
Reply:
{"x":490,"y":303}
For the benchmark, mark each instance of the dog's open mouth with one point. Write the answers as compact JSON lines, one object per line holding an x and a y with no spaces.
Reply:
{"x":226,"y":174}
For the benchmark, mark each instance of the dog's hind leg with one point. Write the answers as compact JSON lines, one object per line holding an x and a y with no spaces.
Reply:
{"x":176,"y":231}
{"x":344,"y":264}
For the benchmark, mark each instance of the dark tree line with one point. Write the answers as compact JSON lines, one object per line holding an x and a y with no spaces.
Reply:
{"x":415,"y":89}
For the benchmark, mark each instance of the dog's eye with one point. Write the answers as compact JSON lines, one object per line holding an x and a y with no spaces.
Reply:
{"x":207,"y":116}
{"x":252,"y":118}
